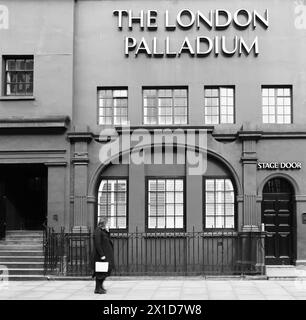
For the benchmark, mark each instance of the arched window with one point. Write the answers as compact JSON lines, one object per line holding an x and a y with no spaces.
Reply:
{"x":112,"y":201}
{"x":219,"y":203}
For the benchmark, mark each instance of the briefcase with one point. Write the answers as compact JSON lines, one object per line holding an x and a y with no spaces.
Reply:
{"x":101,"y":266}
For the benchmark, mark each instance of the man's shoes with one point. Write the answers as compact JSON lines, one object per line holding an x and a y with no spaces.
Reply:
{"x":100,"y":291}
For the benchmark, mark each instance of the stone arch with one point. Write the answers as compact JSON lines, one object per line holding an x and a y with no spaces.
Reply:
{"x":285,"y":176}
{"x":96,"y":176}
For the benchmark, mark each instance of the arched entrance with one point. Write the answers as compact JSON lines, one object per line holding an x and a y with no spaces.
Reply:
{"x":278,"y":218}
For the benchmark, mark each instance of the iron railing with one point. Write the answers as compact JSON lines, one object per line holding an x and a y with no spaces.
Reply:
{"x":2,"y":229}
{"x":162,"y":253}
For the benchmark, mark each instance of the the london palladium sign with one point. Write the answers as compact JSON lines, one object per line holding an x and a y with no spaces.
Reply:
{"x":202,"y":45}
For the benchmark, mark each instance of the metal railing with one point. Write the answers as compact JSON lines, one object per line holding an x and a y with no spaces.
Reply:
{"x":2,"y":230}
{"x":162,"y":253}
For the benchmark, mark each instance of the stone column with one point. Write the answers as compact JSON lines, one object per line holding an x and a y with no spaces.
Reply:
{"x":300,"y":230}
{"x":137,"y":196}
{"x":249,"y":226}
{"x":79,"y":143}
{"x":57,"y":209}
{"x":251,"y":219}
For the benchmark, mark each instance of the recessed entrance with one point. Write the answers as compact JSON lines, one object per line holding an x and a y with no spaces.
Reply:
{"x":278,"y":218}
{"x":23,"y":196}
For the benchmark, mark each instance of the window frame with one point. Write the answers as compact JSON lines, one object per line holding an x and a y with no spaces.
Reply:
{"x":275,"y":87}
{"x":161,"y":230}
{"x":204,"y":178}
{"x":98,"y":106}
{"x":218,"y":87}
{"x":114,"y":230}
{"x":6,"y":57}
{"x":172,"y":88}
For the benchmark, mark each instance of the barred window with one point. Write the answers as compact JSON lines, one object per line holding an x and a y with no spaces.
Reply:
{"x":165,"y":106}
{"x":165,"y":208}
{"x":113,"y":106}
{"x":276,"y":105}
{"x":219,"y":105}
{"x":19,"y":76}
{"x":112,"y":202}
{"x":219,"y":203}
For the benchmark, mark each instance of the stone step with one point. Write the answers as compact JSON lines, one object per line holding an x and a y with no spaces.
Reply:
{"x":26,"y":271}
{"x":24,"y":233}
{"x":24,"y":277}
{"x":281,"y":271}
{"x":30,"y":258}
{"x":21,"y":247}
{"x":22,"y":265}
{"x":21,"y":238}
{"x":25,"y":241}
{"x":5,"y":252}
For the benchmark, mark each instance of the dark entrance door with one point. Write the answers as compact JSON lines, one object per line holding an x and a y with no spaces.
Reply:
{"x":23,"y":196}
{"x":277,"y":216}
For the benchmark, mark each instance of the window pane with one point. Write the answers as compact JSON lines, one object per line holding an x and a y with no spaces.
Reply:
{"x":210,"y":222}
{"x":163,"y":104}
{"x":166,"y":202}
{"x":179,"y":222}
{"x":219,"y":105}
{"x":112,"y":202}
{"x":220,"y":222}
{"x":210,"y":185}
{"x":19,"y":76}
{"x":210,"y":197}
{"x":273,"y":102}
{"x":152,"y":223}
{"x":219,"y":203}
{"x":179,"y":209}
{"x":229,"y":222}
{"x":170,"y":222}
{"x":112,"y":105}
{"x":178,"y":185}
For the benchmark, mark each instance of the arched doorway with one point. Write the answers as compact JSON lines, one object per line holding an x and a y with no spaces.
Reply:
{"x":278,"y":218}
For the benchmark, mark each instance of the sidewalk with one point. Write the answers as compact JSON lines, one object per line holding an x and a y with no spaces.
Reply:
{"x":157,"y":289}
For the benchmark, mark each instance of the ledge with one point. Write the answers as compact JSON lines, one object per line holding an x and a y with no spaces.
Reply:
{"x":16,"y":98}
{"x":79,"y":136}
{"x":18,"y":125}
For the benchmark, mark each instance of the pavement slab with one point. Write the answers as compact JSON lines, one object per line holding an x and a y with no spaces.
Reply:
{"x":152,"y":289}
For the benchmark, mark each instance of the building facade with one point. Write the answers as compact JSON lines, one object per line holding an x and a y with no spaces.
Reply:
{"x":76,"y":75}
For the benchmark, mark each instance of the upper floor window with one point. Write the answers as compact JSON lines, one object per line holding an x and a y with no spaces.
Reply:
{"x":165,"y":207}
{"x":112,"y":202}
{"x":219,"y":105}
{"x":219,"y":203}
{"x":113,"y":106}
{"x":276,"y":104}
{"x":165,"y":106}
{"x":18,"y":76}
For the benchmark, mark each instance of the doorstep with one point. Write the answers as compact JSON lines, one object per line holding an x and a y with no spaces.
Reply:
{"x":285,"y":272}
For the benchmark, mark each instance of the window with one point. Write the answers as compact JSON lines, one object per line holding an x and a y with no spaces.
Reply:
{"x":113,"y":106}
{"x":276,"y":104}
{"x":165,"y":208}
{"x":219,"y":204}
{"x":112,"y":202}
{"x":219,"y":105}
{"x":165,"y":106}
{"x":19,"y":76}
